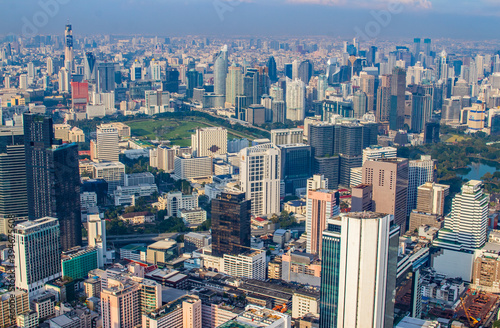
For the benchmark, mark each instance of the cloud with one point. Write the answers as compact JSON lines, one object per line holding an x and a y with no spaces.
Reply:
{"x":416,"y":4}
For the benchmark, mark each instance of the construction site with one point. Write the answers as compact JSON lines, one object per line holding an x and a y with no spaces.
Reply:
{"x":475,"y":308}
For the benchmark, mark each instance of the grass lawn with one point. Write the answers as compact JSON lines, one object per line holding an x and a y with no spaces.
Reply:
{"x":178,"y":132}
{"x":455,"y":138}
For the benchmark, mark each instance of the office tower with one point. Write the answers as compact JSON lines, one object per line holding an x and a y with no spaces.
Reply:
{"x":389,"y":179}
{"x":276,"y":93}
{"x":234,"y":84}
{"x":384,"y":98}
{"x":256,"y":114}
{"x":287,"y":136}
{"x":260,"y":176}
{"x":120,"y":303}
{"x":155,"y":70}
{"x":466,"y":229}
{"x":350,"y":150}
{"x":209,"y":142}
{"x":220,"y":71}
{"x":136,"y":71}
{"x":359,"y":267}
{"x":13,"y":199}
{"x":52,"y":178}
{"x":31,"y":72}
{"x":431,"y":198}
{"x":171,"y":83}
{"x":263,"y":80}
{"x":105,"y":77}
{"x":89,"y":66}
{"x":305,"y":71}
{"x":376,"y":152}
{"x":96,"y":227}
{"x":64,"y":80}
{"x":273,"y":72}
{"x":230,"y":224}
{"x":368,"y":87}
{"x":419,"y":172}
{"x":296,"y":166}
{"x":451,"y":110}
{"x":68,"y":49}
{"x":194,"y":80}
{"x":361,"y":198}
{"x":295,"y":100}
{"x":476,"y":116}
{"x":323,"y":139}
{"x":23,"y":81}
{"x":359,"y":103}
{"x":421,"y":109}
{"x":107,"y":144}
{"x":279,"y":111}
{"x":322,"y":86}
{"x":398,"y":89}
{"x":50,"y":66}
{"x":37,"y":250}
{"x":322,"y":204}
{"x":431,"y":132}
{"x":416,"y":47}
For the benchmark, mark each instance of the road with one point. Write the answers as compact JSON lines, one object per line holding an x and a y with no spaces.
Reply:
{"x":137,"y":238}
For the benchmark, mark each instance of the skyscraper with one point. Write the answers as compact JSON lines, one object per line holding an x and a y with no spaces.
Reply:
{"x":89,"y":66}
{"x":220,"y":71}
{"x":368,"y":87}
{"x":384,"y":99}
{"x":106,"y":77}
{"x":419,"y":172}
{"x":37,"y":250}
{"x":305,"y":71}
{"x":466,"y":226}
{"x":350,"y":150}
{"x":296,"y":166}
{"x":234,"y":84}
{"x":271,"y":66}
{"x":389,"y":179}
{"x":358,"y":274}
{"x":295,"y":100}
{"x":260,"y":176}
{"x":97,"y":235}
{"x":398,"y":89}
{"x":52,"y":178}
{"x":13,"y":199}
{"x":230,"y":224}
{"x":322,"y":204}
{"x":68,"y":48}
{"x":107,"y":143}
{"x":324,"y":141}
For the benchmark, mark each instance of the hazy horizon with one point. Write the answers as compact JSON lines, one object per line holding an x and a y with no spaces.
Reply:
{"x":335,"y":18}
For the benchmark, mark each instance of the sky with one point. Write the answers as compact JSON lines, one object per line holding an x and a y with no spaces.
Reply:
{"x":369,"y":19}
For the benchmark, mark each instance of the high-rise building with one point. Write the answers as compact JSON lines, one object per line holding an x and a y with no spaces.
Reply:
{"x":431,"y":132}
{"x":271,"y":66}
{"x":295,"y":100}
{"x":397,"y":109}
{"x":96,"y":227}
{"x":89,"y":67}
{"x":305,"y":71}
{"x":220,"y":71}
{"x":419,"y":172}
{"x":260,"y":176}
{"x":209,"y":142}
{"x":368,"y":87}
{"x":287,"y":136}
{"x":431,"y":198}
{"x":107,"y":144}
{"x":105,"y":77}
{"x":389,"y":180}
{"x":317,"y":182}
{"x":384,"y":99}
{"x":36,"y":265}
{"x":68,"y":48}
{"x":120,"y":303}
{"x":13,"y":199}
{"x":230,"y":224}
{"x":296,"y":166}
{"x":52,"y":178}
{"x":185,"y":312}
{"x":350,"y":150}
{"x":322,"y":204}
{"x":466,"y":229}
{"x":359,"y":267}
{"x":234,"y":84}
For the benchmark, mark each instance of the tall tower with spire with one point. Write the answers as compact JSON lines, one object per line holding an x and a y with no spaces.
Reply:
{"x":68,"y":49}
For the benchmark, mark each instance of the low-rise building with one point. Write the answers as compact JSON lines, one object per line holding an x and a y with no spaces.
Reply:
{"x":194,"y":241}
{"x":193,"y":217}
{"x":300,"y":267}
{"x":188,"y":167}
{"x":304,"y":302}
{"x":173,"y":201}
{"x":162,"y":252}
{"x":138,"y":217}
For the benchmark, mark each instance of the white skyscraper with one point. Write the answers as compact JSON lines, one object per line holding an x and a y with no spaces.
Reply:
{"x":50,"y":66}
{"x":31,"y":72}
{"x":317,"y":182}
{"x":419,"y":172}
{"x":107,"y":144}
{"x":155,"y":70}
{"x":23,"y":81}
{"x":208,"y":142}
{"x":358,"y":278}
{"x":322,"y":86}
{"x":260,"y":175}
{"x":64,"y":80}
{"x":220,"y":71}
{"x":466,"y":226}
{"x":37,"y":250}
{"x":97,"y":237}
{"x":295,"y":100}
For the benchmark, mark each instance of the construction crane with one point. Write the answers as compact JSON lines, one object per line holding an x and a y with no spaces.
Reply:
{"x":472,"y":321}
